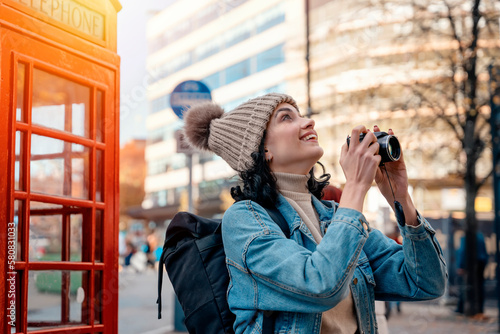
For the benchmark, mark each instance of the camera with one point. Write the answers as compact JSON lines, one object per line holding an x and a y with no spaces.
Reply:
{"x":389,"y":150}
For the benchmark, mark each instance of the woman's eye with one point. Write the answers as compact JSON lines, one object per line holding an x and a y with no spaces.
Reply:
{"x":285,"y":117}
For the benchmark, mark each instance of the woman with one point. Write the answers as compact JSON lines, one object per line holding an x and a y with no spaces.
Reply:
{"x":327,"y":275}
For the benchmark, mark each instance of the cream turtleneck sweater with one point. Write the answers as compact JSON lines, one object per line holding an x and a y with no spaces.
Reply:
{"x":342,"y":318}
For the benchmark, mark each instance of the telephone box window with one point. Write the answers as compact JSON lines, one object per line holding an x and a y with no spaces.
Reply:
{"x":57,"y":298}
{"x":60,"y":104}
{"x":19,"y":160}
{"x":18,"y":223}
{"x":59,"y":167}
{"x":21,"y":79}
{"x":99,"y":161}
{"x":99,"y":117}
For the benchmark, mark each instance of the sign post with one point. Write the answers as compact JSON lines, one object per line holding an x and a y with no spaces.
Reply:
{"x":185,"y":95}
{"x":495,"y":139}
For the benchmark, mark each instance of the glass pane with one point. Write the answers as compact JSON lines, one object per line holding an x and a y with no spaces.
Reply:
{"x":45,"y":242}
{"x":56,"y":298}
{"x":98,"y":300}
{"x":21,"y":74}
{"x":60,"y":104}
{"x":99,"y":161}
{"x":99,"y":115}
{"x":19,"y":164}
{"x":99,"y":217}
{"x":75,"y":242}
{"x":17,"y":225}
{"x":59,"y":168}
{"x":55,"y":232}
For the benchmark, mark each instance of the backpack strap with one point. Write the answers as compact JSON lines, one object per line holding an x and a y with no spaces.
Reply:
{"x":279,"y":219}
{"x":160,"y":282}
{"x":270,"y":316}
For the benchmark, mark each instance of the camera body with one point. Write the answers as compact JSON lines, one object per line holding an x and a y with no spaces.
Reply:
{"x":389,"y":150}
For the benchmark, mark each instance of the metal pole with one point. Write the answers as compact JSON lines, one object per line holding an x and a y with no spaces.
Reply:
{"x":447,"y":230}
{"x":495,"y":139}
{"x":189,"y":161}
{"x":308,"y":68}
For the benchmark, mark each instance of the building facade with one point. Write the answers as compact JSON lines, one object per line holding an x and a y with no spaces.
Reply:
{"x":363,"y":62}
{"x":239,"y":49}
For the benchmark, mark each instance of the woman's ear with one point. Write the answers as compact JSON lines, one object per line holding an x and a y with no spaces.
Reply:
{"x":268,"y":155}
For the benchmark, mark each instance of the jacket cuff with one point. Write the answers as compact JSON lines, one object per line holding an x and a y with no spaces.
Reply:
{"x":418,"y":232}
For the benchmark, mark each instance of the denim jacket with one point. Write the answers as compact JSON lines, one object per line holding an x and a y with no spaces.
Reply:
{"x":302,"y":279}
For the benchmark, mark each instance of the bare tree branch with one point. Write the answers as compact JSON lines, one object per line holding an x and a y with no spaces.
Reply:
{"x":483,"y":181}
{"x":454,"y":28}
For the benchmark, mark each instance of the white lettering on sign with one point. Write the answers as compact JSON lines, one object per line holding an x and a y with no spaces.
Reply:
{"x":70,"y":13}
{"x":189,"y":98}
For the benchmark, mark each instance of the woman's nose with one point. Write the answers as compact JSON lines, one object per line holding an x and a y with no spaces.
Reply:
{"x":309,"y":123}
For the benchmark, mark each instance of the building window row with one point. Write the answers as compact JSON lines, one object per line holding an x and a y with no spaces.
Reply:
{"x":262,"y":61}
{"x":198,"y":20}
{"x":164,"y":133}
{"x":243,"y":31}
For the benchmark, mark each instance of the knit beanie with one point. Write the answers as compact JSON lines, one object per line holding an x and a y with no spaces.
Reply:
{"x":235,"y":135}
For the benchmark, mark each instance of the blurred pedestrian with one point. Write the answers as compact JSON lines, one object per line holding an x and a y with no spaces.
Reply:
{"x":324,"y":278}
{"x":150,"y":248}
{"x":130,"y":250}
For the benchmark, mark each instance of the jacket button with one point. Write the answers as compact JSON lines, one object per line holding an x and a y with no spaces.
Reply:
{"x":355,"y":281}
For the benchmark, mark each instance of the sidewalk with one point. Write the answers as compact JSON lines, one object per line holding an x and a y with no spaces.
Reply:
{"x":430,"y":318}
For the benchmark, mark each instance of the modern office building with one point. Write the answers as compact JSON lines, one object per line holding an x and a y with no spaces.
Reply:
{"x":239,"y":49}
{"x":341,"y":60}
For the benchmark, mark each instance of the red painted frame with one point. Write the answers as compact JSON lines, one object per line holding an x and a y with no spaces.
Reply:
{"x":94,"y":67}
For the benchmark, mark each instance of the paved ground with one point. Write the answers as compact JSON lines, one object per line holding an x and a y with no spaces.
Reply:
{"x":138,"y":312}
{"x":430,"y":318}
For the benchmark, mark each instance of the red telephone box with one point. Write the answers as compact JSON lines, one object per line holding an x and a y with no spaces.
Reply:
{"x":59,"y":100}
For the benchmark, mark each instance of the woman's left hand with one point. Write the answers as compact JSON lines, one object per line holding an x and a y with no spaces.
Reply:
{"x":396,"y":170}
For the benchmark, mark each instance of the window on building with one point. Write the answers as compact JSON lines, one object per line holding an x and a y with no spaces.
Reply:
{"x":270,"y":18}
{"x":212,"y":81}
{"x":231,"y":37}
{"x":237,"y":71}
{"x":238,"y":34}
{"x":271,"y":57}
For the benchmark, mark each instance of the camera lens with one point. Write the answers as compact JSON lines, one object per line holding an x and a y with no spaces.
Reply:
{"x":393,"y":148}
{"x":389,"y":150}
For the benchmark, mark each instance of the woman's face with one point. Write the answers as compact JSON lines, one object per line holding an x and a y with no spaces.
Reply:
{"x":291,"y":141}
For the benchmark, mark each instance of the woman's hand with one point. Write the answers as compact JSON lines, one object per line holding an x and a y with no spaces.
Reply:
{"x":396,"y":170}
{"x":359,"y":161}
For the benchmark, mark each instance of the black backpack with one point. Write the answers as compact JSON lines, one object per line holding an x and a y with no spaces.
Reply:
{"x":194,"y":258}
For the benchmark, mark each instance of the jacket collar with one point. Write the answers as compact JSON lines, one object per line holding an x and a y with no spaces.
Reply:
{"x":292,"y":217}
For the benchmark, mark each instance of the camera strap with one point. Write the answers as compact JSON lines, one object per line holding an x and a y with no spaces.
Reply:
{"x":398,"y":208}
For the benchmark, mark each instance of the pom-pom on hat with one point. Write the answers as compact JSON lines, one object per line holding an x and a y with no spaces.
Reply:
{"x":235,"y":135}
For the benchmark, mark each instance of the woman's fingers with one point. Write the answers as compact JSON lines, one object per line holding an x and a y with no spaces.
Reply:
{"x":343,"y":152}
{"x":355,"y":135}
{"x":377,"y":129}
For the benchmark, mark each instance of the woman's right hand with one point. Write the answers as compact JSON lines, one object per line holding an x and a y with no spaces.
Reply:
{"x":359,"y":161}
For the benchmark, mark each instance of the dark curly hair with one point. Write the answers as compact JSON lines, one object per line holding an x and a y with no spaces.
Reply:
{"x":259,"y":184}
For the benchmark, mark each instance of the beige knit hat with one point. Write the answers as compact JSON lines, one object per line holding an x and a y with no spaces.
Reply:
{"x":235,"y":135}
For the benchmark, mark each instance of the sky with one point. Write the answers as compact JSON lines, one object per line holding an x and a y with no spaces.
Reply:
{"x":132,"y":48}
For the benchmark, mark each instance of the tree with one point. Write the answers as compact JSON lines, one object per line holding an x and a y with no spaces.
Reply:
{"x":460,"y":38}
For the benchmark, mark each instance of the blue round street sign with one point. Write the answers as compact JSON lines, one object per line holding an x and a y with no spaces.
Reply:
{"x":187,"y":94}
